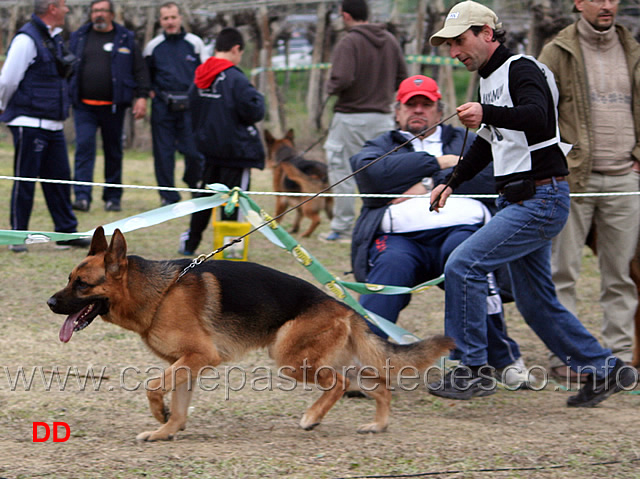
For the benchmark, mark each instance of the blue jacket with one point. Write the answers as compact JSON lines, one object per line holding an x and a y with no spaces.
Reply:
{"x":42,"y":93}
{"x":172,"y":61}
{"x":395,"y":174}
{"x":224,"y":113}
{"x":129,"y":78}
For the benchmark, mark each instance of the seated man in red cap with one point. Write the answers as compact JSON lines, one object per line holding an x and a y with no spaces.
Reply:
{"x":401,"y":242}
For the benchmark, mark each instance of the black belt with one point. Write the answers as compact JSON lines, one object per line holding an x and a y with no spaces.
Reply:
{"x":546,"y":181}
{"x":517,"y":191}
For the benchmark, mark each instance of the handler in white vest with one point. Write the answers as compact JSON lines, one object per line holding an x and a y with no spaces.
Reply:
{"x":518,"y":115}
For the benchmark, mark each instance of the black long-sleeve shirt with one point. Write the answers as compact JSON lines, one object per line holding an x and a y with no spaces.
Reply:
{"x":534,"y":113}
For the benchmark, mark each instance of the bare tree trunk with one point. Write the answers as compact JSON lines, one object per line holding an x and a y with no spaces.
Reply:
{"x":315,"y":90}
{"x":276,"y":113}
{"x":472,"y":87}
{"x":258,"y":53}
{"x":394,"y":17}
{"x":129,"y":127}
{"x":119,"y":14}
{"x":324,"y":74}
{"x":418,"y":41}
{"x":149,"y":30}
{"x":12,"y":22}
{"x":448,"y":89}
{"x":539,"y":20}
{"x":187,"y":19}
{"x":445,"y":72}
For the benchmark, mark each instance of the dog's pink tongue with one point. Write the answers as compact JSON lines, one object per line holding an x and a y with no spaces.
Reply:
{"x":66,"y":331}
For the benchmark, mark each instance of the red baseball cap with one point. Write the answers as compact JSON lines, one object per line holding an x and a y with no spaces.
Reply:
{"x":418,"y":85}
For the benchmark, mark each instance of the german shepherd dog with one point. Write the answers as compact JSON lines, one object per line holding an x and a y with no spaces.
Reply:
{"x":294,"y":174}
{"x":220,"y":310}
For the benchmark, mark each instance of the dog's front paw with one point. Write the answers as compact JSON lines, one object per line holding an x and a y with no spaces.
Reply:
{"x":371,"y":428}
{"x":150,"y":436}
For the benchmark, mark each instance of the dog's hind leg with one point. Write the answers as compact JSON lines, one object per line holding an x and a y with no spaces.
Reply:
{"x":296,"y":224}
{"x":383,"y":409}
{"x":328,"y":207}
{"x":313,"y":215}
{"x":281,"y":205}
{"x":334,"y":385}
{"x":306,"y":348}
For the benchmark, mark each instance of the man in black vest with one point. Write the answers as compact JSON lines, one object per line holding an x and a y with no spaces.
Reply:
{"x":34,"y":104}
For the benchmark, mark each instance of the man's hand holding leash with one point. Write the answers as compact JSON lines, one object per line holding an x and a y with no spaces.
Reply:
{"x":439,"y":196}
{"x":470,"y":114}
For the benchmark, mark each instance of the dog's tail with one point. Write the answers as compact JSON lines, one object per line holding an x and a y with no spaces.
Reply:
{"x":375,"y":352}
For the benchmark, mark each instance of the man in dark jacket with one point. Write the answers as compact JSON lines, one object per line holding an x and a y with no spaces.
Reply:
{"x":34,"y":103}
{"x":172,"y":58}
{"x":401,"y":242}
{"x":109,"y":75}
{"x":226,"y":107}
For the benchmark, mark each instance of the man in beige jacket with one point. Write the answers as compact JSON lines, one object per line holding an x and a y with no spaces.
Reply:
{"x":596,"y":64}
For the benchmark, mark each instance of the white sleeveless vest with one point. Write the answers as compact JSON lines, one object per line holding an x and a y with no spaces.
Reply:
{"x":510,"y":149}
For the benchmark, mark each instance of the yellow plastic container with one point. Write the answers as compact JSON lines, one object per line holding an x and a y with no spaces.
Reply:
{"x":226,"y":231}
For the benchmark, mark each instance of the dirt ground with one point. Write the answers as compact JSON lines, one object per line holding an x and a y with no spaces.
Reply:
{"x":254,"y":433}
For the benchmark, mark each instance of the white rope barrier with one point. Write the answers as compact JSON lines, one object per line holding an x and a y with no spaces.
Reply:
{"x":277,"y":193}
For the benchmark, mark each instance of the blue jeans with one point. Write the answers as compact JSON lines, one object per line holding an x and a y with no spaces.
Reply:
{"x":87,"y":120}
{"x":411,"y":258}
{"x":519,"y":235}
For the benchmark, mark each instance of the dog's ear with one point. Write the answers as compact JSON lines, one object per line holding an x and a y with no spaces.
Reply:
{"x":115,"y":259}
{"x":290,"y":135}
{"x":98,"y":242}
{"x":268,"y":137}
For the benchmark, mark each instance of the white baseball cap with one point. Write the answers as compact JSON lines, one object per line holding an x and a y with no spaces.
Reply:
{"x":463,"y":16}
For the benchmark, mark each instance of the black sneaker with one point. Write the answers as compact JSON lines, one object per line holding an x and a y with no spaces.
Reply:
{"x":596,"y":390}
{"x":76,"y":243}
{"x":80,"y":205}
{"x":465,"y":383}
{"x":18,"y":248}
{"x":112,"y":206}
